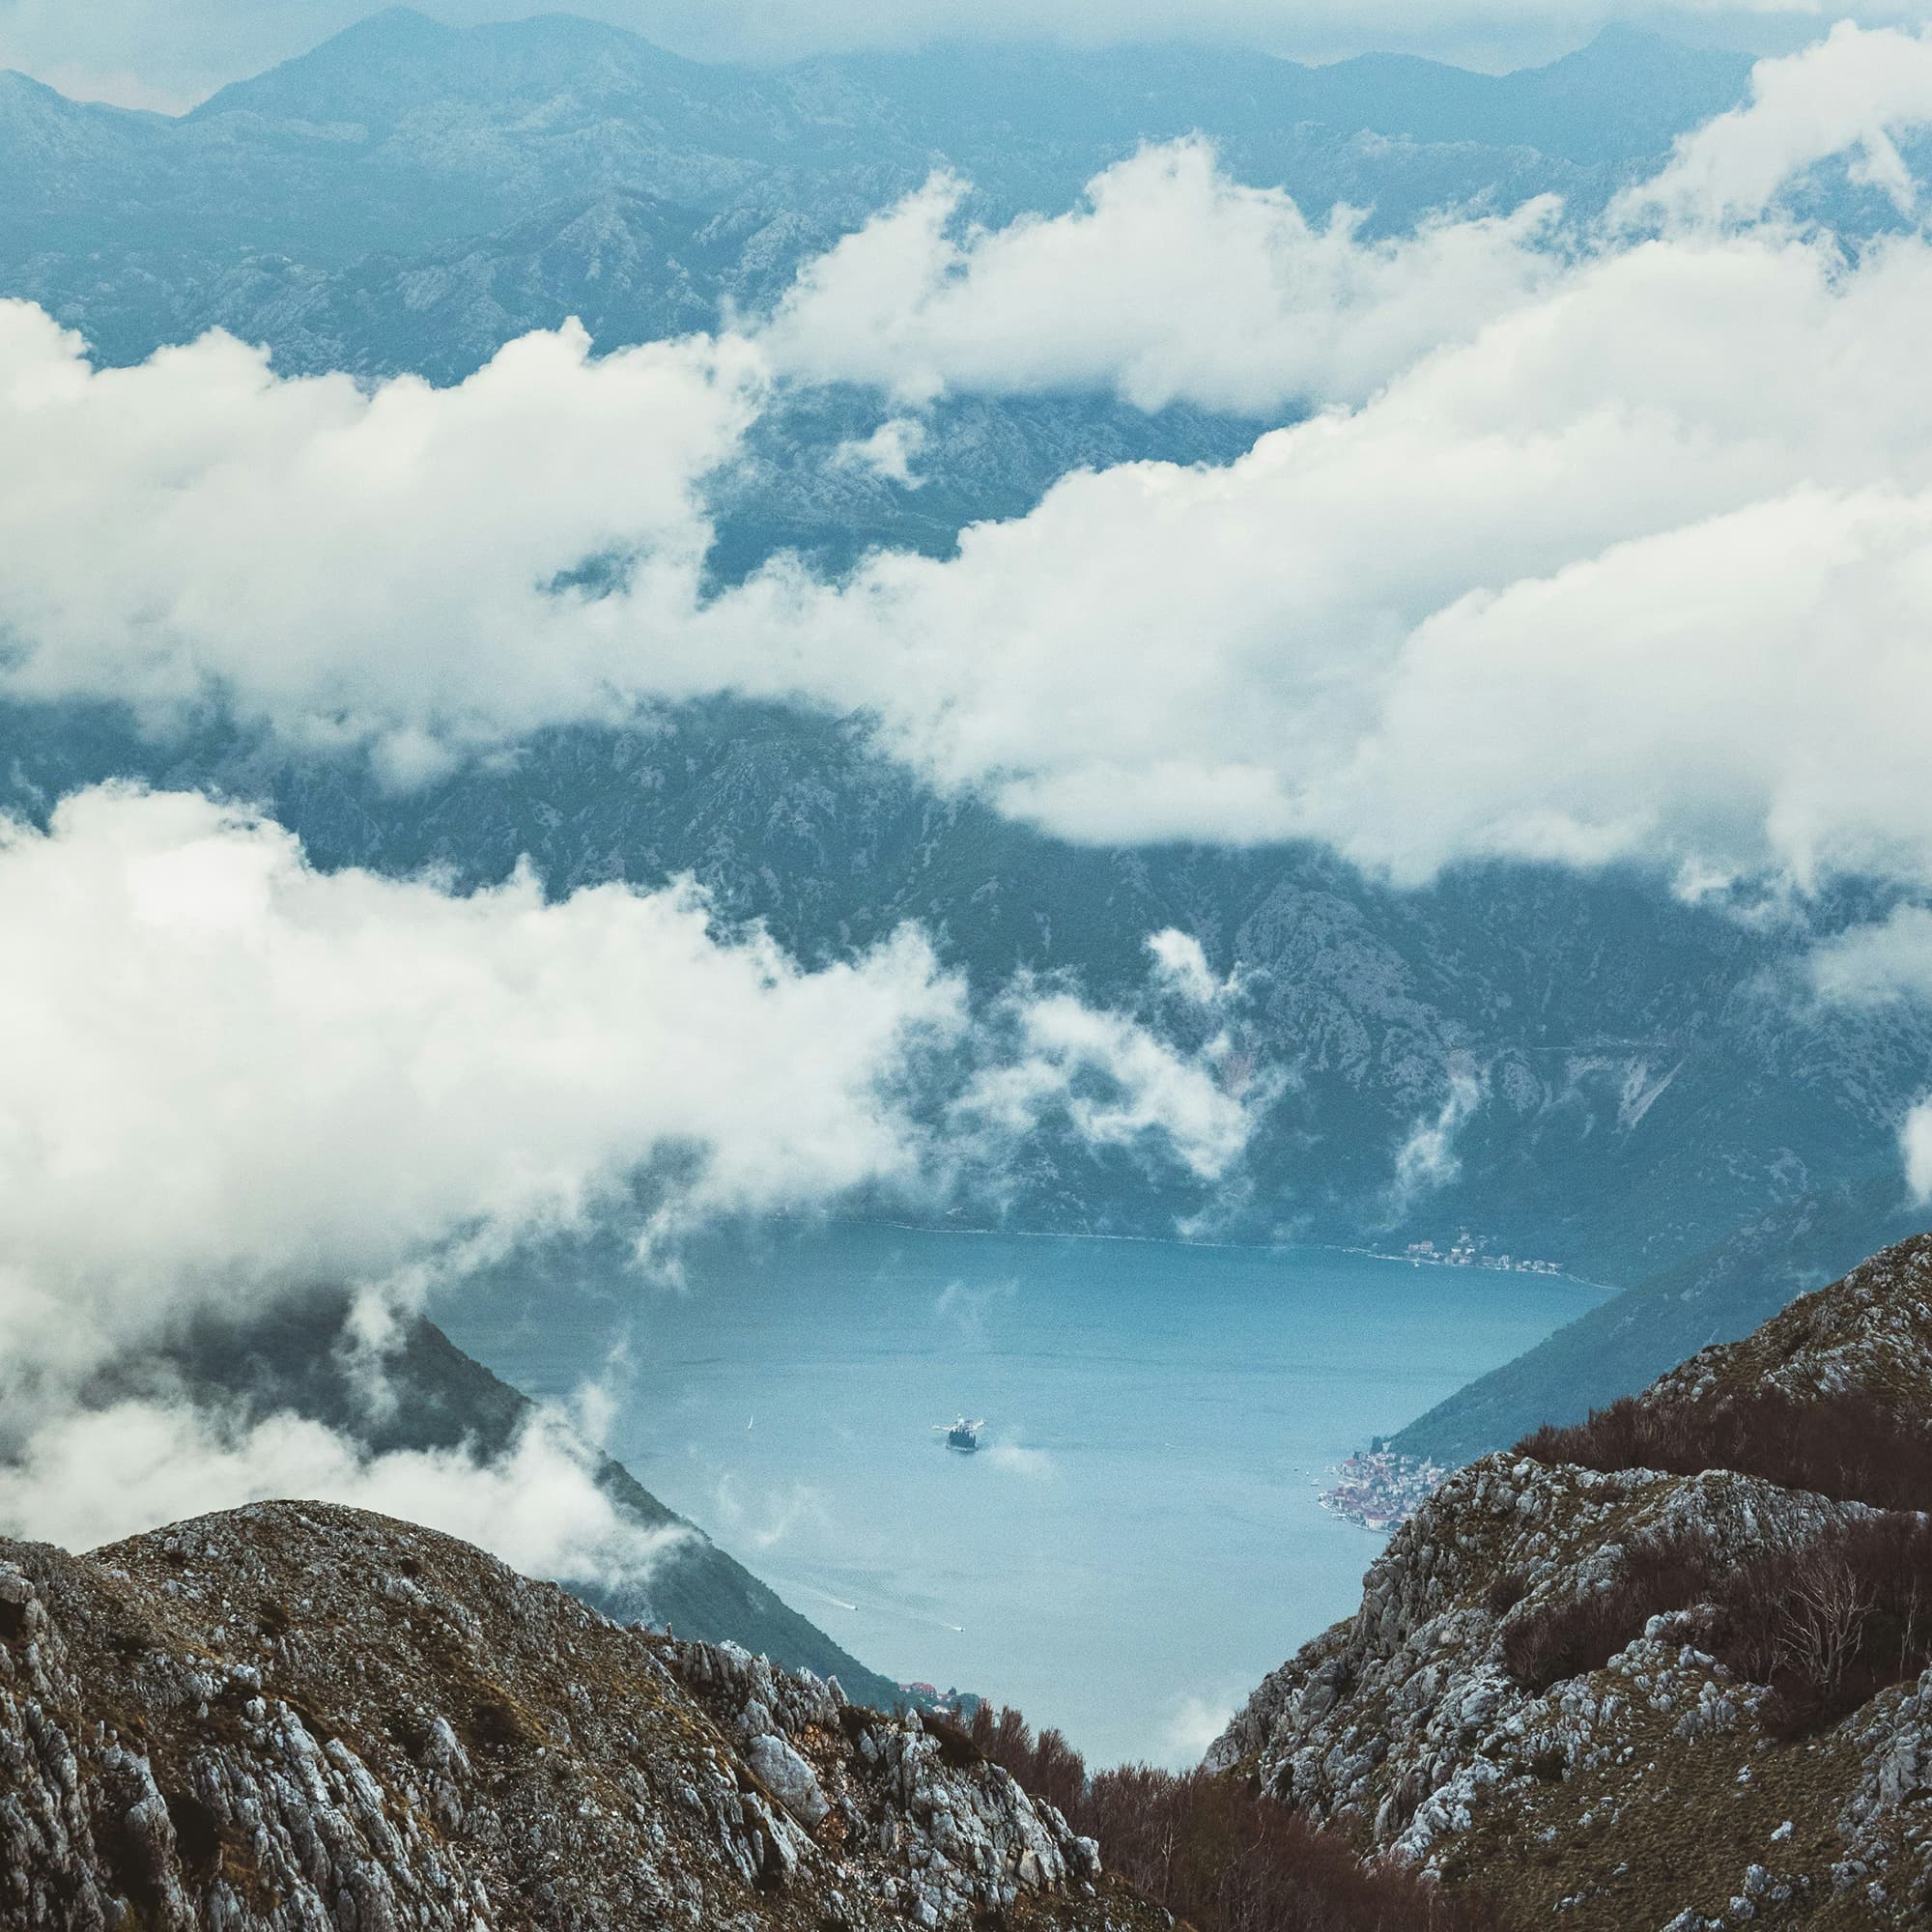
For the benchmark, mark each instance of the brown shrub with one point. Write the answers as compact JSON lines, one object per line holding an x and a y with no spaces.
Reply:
{"x":1838,"y":1443}
{"x":1833,"y":1623}
{"x":1827,"y":1624}
{"x":1214,"y":1852}
{"x":1667,"y":1573}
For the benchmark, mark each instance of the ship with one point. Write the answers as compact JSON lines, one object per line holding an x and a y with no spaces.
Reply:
{"x":960,"y":1434}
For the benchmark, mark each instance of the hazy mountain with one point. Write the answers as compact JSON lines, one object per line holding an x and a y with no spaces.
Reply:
{"x":409,"y":195}
{"x":1715,"y":1297}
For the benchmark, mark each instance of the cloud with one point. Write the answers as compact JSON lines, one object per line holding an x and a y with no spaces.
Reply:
{"x":1172,"y":282}
{"x":1427,"y":1159}
{"x":1180,"y":965}
{"x":1884,"y":963}
{"x":229,"y":1075}
{"x":1876,"y":964}
{"x":85,"y":1477}
{"x":1192,"y":1726}
{"x":1117,"y":1083}
{"x":1854,"y":94}
{"x":1677,"y":489}
{"x":888,"y":452}
{"x":232,"y":1078}
{"x":401,"y":566}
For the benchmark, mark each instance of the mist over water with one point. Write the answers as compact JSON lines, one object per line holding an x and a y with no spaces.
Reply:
{"x":1138,"y":1540}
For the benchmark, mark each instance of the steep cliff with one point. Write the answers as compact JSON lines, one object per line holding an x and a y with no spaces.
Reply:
{"x":296,"y":1715}
{"x":1669,"y":1668}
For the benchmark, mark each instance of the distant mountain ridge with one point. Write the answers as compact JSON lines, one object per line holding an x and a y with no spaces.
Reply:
{"x":1717,"y":1297}
{"x":404,"y":138}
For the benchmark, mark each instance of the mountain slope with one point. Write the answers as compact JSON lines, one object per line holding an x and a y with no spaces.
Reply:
{"x":293,"y":1715}
{"x":1671,"y":1668}
{"x":437,"y":1397}
{"x":1630,"y":1339}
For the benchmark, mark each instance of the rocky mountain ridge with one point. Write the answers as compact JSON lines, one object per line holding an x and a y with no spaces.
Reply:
{"x":291,"y":1360}
{"x":297,"y":1715}
{"x":1682,"y":1697}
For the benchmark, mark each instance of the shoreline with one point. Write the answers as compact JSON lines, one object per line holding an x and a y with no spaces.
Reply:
{"x":1552,"y":1274}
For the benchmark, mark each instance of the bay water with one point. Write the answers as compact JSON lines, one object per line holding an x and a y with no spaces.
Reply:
{"x":1138,"y":1540}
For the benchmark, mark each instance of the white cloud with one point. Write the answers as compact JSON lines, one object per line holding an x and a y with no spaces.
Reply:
{"x":1872,"y":965}
{"x":1853,"y":94}
{"x":351,"y":565}
{"x":229,"y":1075}
{"x":1427,"y":1159}
{"x":85,"y":1477}
{"x":1172,"y":282}
{"x":1638,"y":569}
{"x":1117,"y":1083}
{"x":1193,"y":1723}
{"x":1180,"y":965}
{"x":888,"y":452}
{"x":231,"y":1078}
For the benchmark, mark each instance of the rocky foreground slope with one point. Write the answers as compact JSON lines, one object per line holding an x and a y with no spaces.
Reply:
{"x":299,"y":1715}
{"x":1667,"y":1670}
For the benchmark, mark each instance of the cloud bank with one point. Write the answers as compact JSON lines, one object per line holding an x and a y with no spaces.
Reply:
{"x":232,"y":1078}
{"x":1626,"y":558}
{"x":1172,"y":283}
{"x":85,"y":1477}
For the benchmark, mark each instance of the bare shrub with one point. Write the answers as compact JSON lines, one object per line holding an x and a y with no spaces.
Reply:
{"x":1660,"y":1575}
{"x":1213,"y":1851}
{"x":1838,"y":1442}
{"x":1832,"y":1623}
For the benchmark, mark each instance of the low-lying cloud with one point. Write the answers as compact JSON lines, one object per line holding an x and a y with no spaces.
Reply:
{"x":233,"y":1078}
{"x":87,"y":1476}
{"x":1172,"y":283}
{"x":1626,"y":559}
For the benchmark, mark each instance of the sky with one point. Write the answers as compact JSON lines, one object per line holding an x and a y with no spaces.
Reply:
{"x":167,"y":54}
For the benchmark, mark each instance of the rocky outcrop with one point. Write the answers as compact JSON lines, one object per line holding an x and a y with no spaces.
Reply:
{"x":1652,"y":1787}
{"x":297,"y":1715}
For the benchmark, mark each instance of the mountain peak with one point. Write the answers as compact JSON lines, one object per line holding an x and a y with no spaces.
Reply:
{"x":254,"y":1716}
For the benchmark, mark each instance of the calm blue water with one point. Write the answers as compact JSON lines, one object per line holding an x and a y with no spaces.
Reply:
{"x":1137,"y":1544}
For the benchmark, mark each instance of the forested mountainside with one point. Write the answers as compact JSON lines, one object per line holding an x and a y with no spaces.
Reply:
{"x":434,"y":1397}
{"x":1668,"y":1668}
{"x":1715,"y":1297}
{"x":293,"y":1715}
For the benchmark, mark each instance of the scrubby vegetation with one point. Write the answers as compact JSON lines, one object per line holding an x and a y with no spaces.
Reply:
{"x":1214,"y":1852}
{"x":1827,"y":1624}
{"x":1839,"y":1444}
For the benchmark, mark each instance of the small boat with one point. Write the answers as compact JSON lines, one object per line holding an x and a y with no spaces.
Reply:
{"x":960,"y":1434}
